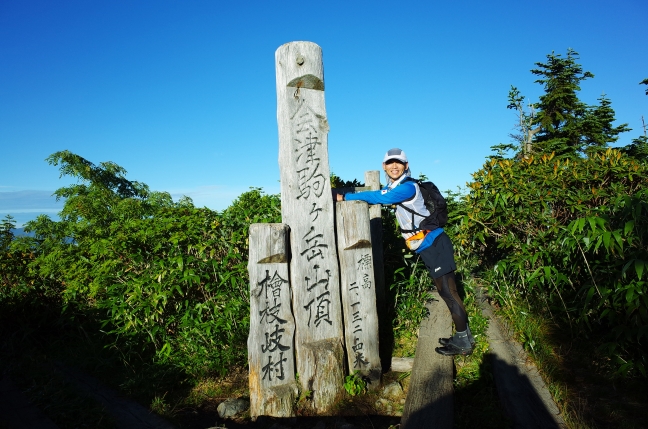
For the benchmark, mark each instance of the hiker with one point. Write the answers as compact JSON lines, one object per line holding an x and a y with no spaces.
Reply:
{"x":433,"y":246}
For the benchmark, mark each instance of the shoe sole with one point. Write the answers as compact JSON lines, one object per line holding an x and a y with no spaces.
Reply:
{"x":459,"y":353}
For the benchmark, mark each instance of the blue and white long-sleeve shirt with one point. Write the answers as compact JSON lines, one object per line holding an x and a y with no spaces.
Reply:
{"x":401,"y":191}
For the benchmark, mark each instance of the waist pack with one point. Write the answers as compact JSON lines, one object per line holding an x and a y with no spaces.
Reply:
{"x":434,"y":203}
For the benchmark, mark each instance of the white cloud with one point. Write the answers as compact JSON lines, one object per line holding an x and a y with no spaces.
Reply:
{"x":28,"y":201}
{"x":26,"y":205}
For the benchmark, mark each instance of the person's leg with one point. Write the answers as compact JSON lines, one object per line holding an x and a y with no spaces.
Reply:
{"x":447,"y":287}
{"x":439,"y":260}
{"x":460,"y":342}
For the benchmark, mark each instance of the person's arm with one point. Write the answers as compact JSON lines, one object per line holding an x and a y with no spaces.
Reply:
{"x":400,"y":193}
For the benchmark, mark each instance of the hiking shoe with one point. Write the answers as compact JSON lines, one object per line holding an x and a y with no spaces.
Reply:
{"x":451,"y":349}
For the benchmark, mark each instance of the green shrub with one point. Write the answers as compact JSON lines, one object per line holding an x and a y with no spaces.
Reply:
{"x":568,"y":236}
{"x":164,"y":279}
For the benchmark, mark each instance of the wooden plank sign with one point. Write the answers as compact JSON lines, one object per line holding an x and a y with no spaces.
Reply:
{"x":273,"y":389}
{"x":358,"y":290}
{"x":307,"y":206}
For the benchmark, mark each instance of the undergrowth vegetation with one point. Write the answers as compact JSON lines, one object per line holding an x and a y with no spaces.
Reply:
{"x":568,"y":237}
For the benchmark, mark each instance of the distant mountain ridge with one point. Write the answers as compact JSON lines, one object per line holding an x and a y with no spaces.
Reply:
{"x":20,"y":232}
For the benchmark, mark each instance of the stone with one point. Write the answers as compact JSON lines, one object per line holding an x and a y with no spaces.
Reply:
{"x":231,"y":407}
{"x":393,"y":390}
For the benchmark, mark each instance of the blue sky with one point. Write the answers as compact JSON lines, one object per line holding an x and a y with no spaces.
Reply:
{"x":182,"y":93}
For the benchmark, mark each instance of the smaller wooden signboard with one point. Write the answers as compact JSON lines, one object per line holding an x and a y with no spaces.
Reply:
{"x":273,"y":389}
{"x":358,"y":290}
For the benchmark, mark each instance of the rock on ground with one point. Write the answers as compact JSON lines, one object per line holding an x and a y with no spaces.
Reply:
{"x":231,"y":407}
{"x":393,"y":390}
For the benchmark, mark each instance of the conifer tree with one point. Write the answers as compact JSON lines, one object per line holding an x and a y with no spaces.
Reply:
{"x":638,"y":149}
{"x":560,"y":122}
{"x":560,"y":111}
{"x":597,"y":127}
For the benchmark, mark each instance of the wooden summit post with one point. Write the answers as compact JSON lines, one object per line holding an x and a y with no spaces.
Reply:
{"x":307,"y":207}
{"x":273,"y":390}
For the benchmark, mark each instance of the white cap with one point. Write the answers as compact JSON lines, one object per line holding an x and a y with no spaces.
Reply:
{"x":395,"y":154}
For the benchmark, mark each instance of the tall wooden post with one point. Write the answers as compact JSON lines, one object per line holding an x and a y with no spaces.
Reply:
{"x":271,"y":359}
{"x":358,"y":290}
{"x":307,"y":206}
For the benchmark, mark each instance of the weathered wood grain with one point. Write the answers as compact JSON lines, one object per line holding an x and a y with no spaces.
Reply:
{"x":358,"y":290}
{"x":307,"y":206}
{"x":429,"y":402}
{"x":273,"y":389}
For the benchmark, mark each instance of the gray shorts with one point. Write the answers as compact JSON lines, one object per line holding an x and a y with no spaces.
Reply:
{"x":439,"y":257}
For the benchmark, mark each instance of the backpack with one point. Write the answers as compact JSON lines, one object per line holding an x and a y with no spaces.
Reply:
{"x":435,"y":204}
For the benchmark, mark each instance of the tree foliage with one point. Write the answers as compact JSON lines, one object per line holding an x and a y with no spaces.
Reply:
{"x":569,"y":237}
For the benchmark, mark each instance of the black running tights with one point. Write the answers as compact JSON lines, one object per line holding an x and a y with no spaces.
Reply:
{"x":447,"y":288}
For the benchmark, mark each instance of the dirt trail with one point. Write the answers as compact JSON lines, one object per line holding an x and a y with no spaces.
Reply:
{"x":128,"y":414}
